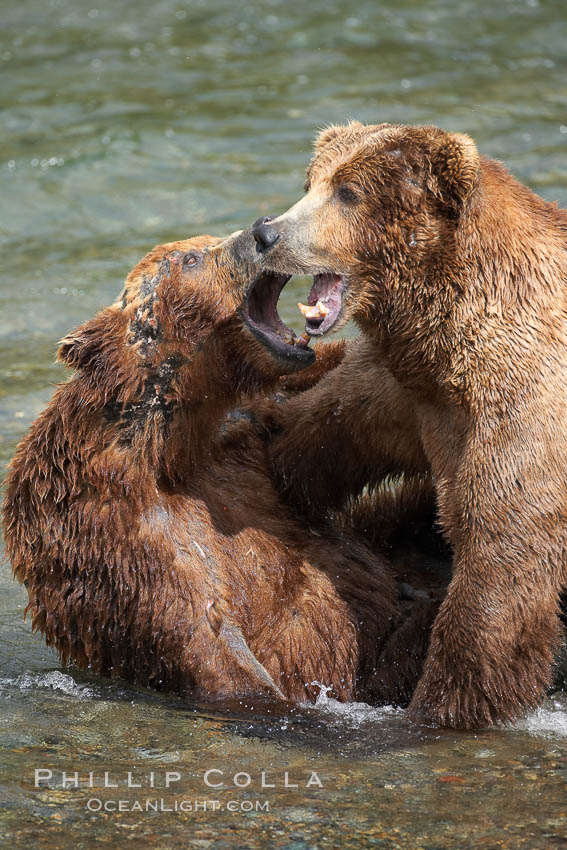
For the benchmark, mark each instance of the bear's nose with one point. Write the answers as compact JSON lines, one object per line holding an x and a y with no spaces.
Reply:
{"x":264,"y":235}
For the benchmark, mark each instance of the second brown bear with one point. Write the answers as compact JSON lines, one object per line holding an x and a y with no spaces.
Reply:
{"x":456,"y":275}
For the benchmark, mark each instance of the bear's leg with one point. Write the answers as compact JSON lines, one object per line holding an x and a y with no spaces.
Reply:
{"x":493,"y":642}
{"x":314,"y":642}
{"x":486,"y":665}
{"x":221,"y":663}
{"x":354,"y":428}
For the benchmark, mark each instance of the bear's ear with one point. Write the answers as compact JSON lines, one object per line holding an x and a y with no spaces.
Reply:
{"x":456,"y":168}
{"x":330,"y":134}
{"x":84,"y":345}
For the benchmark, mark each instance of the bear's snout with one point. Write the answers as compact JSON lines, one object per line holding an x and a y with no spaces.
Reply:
{"x":264,"y":235}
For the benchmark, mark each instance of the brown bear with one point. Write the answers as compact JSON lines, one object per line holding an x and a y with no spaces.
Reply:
{"x":144,"y":522}
{"x":455,"y":274}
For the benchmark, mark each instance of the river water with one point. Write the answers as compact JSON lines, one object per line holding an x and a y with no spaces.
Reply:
{"x":129,"y":123}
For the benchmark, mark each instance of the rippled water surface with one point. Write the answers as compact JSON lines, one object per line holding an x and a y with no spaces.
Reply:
{"x":129,"y":123}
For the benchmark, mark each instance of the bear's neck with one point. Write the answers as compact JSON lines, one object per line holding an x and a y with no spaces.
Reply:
{"x":494,"y":284}
{"x":171,"y":438}
{"x":161,"y":429}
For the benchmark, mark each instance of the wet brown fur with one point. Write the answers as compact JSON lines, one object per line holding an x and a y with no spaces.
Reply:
{"x":146,"y":528}
{"x":456,"y":276}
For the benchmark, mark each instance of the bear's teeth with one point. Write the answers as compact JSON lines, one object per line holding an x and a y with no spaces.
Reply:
{"x":299,"y":340}
{"x":318,"y":311}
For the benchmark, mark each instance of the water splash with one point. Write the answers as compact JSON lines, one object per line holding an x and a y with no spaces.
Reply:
{"x":548,"y":721}
{"x":353,"y":713}
{"x":54,"y":680}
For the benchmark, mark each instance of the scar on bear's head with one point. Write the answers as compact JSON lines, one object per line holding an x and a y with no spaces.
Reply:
{"x":144,"y":328}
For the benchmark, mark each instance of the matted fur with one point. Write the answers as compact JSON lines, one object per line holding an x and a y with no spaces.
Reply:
{"x":456,"y":275}
{"x":145,"y":525}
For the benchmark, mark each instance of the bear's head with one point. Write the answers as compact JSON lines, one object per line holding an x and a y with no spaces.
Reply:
{"x":196,"y":316}
{"x":381,"y":207}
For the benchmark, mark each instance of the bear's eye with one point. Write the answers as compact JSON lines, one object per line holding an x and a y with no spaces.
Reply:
{"x":347,"y":195}
{"x":191,"y":259}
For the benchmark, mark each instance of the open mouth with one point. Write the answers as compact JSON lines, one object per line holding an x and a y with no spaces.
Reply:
{"x":260,"y":313}
{"x":324,"y":305}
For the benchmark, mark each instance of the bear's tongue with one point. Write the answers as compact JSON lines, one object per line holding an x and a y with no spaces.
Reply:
{"x":324,"y":305}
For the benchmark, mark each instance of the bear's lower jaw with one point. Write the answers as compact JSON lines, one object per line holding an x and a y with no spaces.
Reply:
{"x":327,"y":294}
{"x":260,"y":314}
